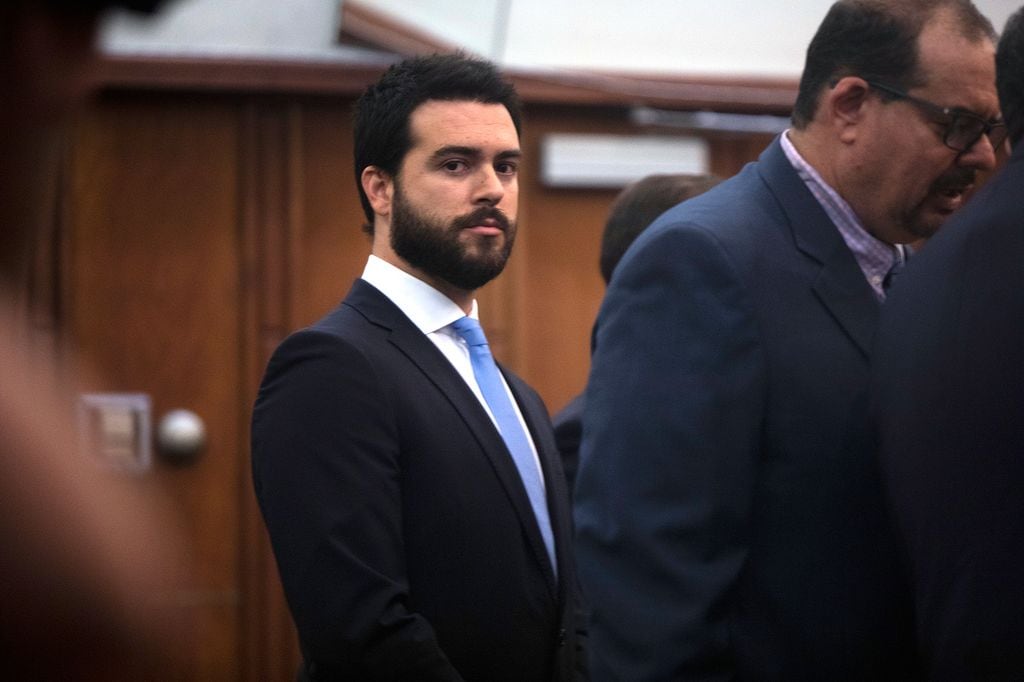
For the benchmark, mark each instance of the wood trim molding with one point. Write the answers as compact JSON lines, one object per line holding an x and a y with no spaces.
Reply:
{"x":599,"y":88}
{"x":579,"y":88}
{"x":364,"y":26}
{"x":237,"y":75}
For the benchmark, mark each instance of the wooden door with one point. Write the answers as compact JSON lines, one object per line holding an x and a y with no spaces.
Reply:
{"x":155,"y":291}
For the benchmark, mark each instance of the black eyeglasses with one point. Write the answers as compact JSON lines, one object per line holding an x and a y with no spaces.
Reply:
{"x":963,"y":129}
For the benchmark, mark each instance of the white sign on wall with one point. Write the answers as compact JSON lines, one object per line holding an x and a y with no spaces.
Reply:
{"x":610,"y":161}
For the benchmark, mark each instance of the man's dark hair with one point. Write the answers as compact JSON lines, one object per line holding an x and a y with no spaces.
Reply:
{"x":876,"y":40}
{"x":382,"y":134}
{"x":1010,"y":75}
{"x":639,"y":205}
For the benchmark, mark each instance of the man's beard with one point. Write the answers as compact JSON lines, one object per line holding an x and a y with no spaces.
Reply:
{"x":436,"y":249}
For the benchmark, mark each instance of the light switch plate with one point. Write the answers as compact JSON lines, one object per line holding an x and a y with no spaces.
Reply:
{"x":116,"y":428}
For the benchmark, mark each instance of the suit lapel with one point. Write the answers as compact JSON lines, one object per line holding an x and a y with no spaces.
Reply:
{"x":857,"y":313}
{"x":840,"y":284}
{"x":411,"y":342}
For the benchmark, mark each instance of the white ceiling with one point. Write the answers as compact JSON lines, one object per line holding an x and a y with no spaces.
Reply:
{"x":696,"y":37}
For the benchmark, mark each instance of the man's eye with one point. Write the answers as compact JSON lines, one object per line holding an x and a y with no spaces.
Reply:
{"x":454,"y":165}
{"x":507,"y":168}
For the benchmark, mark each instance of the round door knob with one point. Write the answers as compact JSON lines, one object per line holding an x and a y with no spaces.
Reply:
{"x":181,"y":436}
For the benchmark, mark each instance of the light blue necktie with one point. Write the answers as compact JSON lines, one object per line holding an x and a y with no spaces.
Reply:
{"x":516,"y":439}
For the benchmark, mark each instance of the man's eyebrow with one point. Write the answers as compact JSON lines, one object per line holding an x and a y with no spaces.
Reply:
{"x":456,"y":150}
{"x":473,"y":152}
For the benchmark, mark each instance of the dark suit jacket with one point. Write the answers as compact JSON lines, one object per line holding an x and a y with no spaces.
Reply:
{"x":729,"y":510}
{"x":568,"y":425}
{"x":949,"y":390}
{"x":404,"y":537}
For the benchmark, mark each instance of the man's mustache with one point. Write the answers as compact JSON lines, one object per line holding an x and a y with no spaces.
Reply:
{"x":480,"y":215}
{"x":956,"y":179}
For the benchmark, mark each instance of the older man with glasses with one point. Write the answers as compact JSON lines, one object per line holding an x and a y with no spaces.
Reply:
{"x":963,"y":128}
{"x":730,"y":518}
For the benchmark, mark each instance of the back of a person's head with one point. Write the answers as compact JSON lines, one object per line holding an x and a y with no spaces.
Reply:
{"x":876,"y":40}
{"x":1010,"y":75}
{"x":637,"y":206}
{"x":382,"y":114}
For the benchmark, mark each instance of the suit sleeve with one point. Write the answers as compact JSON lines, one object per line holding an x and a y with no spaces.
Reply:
{"x":326,"y":466}
{"x":670,"y":443}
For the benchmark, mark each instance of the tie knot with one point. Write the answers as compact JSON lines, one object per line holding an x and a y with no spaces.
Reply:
{"x":894,"y":271}
{"x":470,"y":330}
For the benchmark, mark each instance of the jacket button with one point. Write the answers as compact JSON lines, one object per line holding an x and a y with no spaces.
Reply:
{"x":561,"y":637}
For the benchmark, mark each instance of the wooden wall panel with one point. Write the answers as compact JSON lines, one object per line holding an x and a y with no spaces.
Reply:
{"x":730,"y":152}
{"x":152,"y":274}
{"x":268,"y":221}
{"x":561,"y":287}
{"x":331,"y":246}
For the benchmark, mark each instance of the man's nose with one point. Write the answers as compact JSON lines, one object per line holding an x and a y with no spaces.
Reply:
{"x":490,"y":188}
{"x":980,"y":155}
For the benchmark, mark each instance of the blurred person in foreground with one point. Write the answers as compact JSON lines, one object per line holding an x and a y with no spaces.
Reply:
{"x":85,"y":560}
{"x":730,"y":518}
{"x":949,"y":399}
{"x":411,"y":486}
{"x":633,"y":210}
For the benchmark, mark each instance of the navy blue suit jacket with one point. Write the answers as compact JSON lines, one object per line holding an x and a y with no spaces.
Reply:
{"x":949,"y":390}
{"x":405,"y":539}
{"x":568,"y":425}
{"x":729,"y":512}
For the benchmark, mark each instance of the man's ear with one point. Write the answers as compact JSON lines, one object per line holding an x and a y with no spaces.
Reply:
{"x":379,"y":187}
{"x":845,"y":103}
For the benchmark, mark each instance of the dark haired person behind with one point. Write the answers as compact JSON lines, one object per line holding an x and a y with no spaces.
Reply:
{"x":83,"y":555}
{"x":949,"y":399}
{"x":411,"y":486}
{"x":633,"y":210}
{"x":730,"y":518}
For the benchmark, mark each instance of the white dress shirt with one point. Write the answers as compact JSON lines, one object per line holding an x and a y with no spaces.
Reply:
{"x":432,"y":312}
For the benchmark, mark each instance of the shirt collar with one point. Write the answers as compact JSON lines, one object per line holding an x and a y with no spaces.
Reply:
{"x":425,"y":306}
{"x":874,"y":256}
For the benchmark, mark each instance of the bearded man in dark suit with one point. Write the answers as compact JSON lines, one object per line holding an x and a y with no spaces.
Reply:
{"x":414,"y":496}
